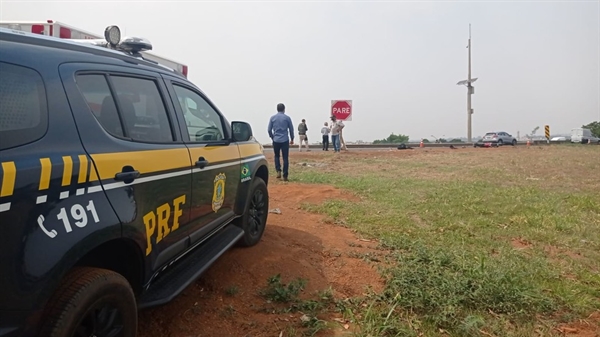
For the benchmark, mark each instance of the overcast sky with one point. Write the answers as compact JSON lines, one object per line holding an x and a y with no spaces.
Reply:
{"x":399,"y":62}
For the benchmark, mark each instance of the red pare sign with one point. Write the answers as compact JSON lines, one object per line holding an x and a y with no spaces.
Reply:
{"x":342,"y":110}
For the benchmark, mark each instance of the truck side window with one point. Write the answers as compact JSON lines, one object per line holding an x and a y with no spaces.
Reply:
{"x":137,"y":112}
{"x":204,"y":124}
{"x":96,"y":92}
{"x":142,"y":109}
{"x":23,"y":106}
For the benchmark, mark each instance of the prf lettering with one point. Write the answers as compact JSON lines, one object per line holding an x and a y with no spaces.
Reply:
{"x":158,"y":221}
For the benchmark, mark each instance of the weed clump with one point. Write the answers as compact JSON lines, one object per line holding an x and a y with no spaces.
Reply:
{"x":278,"y":291}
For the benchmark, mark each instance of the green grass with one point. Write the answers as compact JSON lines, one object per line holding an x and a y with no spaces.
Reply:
{"x":284,"y":298}
{"x":497,"y":241}
{"x":232,"y":290}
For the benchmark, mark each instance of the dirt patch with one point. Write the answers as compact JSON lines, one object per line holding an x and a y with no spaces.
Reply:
{"x":294,"y":195}
{"x":418,"y":220}
{"x":589,"y":327}
{"x":555,"y":252}
{"x":520,"y":243}
{"x":296,"y":244}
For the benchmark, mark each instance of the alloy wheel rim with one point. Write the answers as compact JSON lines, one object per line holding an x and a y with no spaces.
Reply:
{"x":257,"y":212}
{"x":103,"y":320}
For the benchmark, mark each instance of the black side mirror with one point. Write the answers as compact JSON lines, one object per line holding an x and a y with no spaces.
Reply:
{"x":242,"y":131}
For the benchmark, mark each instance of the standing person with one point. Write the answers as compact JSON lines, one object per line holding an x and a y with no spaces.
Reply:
{"x":279,"y":126}
{"x":325,"y":132}
{"x":302,"y":128}
{"x":336,"y":128}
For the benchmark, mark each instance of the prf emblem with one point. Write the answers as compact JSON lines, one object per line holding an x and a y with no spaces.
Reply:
{"x":219,"y":192}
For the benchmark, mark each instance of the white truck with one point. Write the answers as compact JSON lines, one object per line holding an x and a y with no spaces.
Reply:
{"x":582,"y":135}
{"x":64,"y":31}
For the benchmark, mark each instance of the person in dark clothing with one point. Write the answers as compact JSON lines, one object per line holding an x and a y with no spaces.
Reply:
{"x":280,"y":125}
{"x":302,"y":129}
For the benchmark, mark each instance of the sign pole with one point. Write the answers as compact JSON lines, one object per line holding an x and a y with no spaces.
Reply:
{"x":469,"y":92}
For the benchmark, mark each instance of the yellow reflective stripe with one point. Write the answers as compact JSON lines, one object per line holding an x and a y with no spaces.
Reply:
{"x":214,"y":154}
{"x":8,"y":179}
{"x":83,"y":165}
{"x":93,"y":174}
{"x":45,"y":174}
{"x":247,"y":150}
{"x":67,"y":170}
{"x":108,"y":164}
{"x":155,"y":161}
{"x":151,"y":161}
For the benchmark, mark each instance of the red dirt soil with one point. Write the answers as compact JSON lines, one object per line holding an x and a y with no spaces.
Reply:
{"x":295,"y":244}
{"x":589,"y":327}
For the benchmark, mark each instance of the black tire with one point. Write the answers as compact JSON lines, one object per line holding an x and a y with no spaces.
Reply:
{"x":514,"y":142}
{"x":254,"y":220}
{"x":500,"y":142}
{"x":88,"y":297}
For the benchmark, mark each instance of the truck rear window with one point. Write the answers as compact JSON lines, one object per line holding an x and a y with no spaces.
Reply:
{"x":23,"y":107}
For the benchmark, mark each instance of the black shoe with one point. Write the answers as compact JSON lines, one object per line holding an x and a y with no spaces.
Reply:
{"x":285,"y":179}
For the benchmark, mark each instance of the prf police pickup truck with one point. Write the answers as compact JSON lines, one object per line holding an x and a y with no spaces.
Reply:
{"x":121,"y":182}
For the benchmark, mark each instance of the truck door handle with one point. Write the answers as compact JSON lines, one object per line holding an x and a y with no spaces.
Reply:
{"x":127,"y":175}
{"x":202,"y":162}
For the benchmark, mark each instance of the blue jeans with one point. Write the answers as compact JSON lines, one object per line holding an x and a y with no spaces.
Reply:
{"x":326,"y":142}
{"x":282,"y":148}
{"x":335,"y":139}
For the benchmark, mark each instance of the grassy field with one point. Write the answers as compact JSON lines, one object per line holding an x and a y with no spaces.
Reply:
{"x":474,"y":242}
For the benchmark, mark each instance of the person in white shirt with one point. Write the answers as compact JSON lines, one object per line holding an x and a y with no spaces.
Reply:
{"x":336,"y":129}
{"x":325,"y":132}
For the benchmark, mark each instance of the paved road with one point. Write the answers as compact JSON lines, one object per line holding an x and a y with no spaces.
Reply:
{"x":295,"y":149}
{"x":355,"y":147}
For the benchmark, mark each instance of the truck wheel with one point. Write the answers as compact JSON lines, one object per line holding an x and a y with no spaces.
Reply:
{"x":91,"y":302}
{"x":254,"y":220}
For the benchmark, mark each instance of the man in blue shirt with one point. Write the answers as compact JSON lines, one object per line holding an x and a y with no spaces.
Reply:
{"x":279,"y":126}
